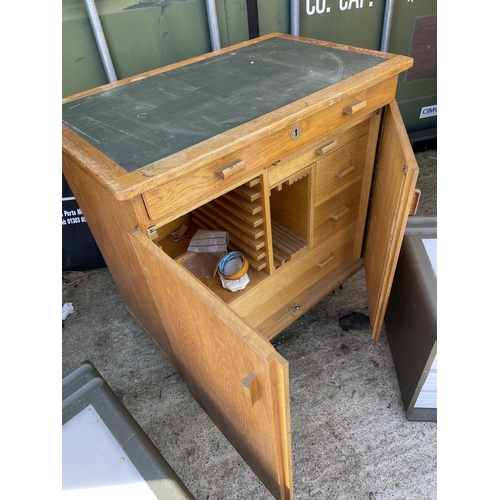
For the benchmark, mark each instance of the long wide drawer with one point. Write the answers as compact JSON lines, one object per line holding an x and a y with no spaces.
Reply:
{"x":272,"y":295}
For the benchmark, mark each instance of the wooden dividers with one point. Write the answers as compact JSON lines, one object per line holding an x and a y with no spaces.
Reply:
{"x":240,"y":212}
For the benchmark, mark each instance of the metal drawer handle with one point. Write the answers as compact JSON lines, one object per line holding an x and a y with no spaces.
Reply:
{"x":340,"y":174}
{"x":354,"y":108}
{"x":230,"y":169}
{"x":340,"y":213}
{"x":324,"y":262}
{"x":322,"y":150}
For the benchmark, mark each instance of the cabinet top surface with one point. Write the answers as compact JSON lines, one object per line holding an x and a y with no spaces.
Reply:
{"x":148,"y":119}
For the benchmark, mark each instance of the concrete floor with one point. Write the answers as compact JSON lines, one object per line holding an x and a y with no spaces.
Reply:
{"x":350,"y":437}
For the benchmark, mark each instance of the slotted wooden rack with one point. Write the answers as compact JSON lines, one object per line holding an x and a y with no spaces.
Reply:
{"x":240,"y":213}
{"x":285,"y":244}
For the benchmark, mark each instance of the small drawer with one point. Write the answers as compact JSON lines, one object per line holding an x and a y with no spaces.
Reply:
{"x":337,"y":212}
{"x":332,"y":255}
{"x":339,"y":168}
{"x":313,"y":152}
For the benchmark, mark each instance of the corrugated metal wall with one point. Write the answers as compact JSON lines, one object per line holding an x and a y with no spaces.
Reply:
{"x":144,"y":35}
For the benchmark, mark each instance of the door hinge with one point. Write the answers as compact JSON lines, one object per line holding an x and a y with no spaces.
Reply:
{"x":405,"y":169}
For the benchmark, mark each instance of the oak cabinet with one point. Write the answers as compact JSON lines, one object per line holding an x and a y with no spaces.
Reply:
{"x":296,"y":147}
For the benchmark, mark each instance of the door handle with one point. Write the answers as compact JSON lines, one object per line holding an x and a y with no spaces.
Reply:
{"x":251,"y":390}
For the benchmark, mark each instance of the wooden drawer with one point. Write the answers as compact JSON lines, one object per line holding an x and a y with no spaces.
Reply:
{"x":337,"y":212}
{"x":330,"y":255}
{"x":187,"y":192}
{"x":295,"y":162}
{"x":294,"y":278}
{"x":337,"y":169}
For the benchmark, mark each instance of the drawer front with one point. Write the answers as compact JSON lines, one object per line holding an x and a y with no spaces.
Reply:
{"x":293,"y":163}
{"x":186,"y":193}
{"x":337,"y":169}
{"x":330,"y":255}
{"x":337,"y":212}
{"x":295,"y":278}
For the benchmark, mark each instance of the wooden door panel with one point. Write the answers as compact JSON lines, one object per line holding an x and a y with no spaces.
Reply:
{"x":235,"y":374}
{"x":395,"y":180}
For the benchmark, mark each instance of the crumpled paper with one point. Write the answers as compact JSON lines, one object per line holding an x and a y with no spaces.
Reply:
{"x":235,"y":285}
{"x":67,"y":309}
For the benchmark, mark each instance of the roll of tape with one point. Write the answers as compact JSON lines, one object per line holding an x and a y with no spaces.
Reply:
{"x":233,"y":265}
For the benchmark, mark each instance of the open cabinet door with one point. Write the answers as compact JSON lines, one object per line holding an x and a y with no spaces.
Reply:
{"x":235,"y":374}
{"x":396,"y":176}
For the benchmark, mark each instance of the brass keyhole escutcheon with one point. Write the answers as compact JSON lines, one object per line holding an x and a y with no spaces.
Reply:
{"x":295,"y":133}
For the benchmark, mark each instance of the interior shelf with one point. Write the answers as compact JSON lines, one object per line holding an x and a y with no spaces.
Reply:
{"x":251,"y":217}
{"x":240,"y":213}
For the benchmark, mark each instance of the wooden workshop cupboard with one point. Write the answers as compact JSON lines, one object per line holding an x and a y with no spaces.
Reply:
{"x":294,"y":146}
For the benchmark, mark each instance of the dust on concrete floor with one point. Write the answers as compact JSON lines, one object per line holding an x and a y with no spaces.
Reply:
{"x":350,"y":436}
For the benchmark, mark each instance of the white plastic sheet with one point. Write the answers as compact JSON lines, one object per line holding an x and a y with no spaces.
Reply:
{"x":67,"y":309}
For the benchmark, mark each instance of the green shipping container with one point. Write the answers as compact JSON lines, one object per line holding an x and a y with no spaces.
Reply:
{"x":145,"y":35}
{"x":140,"y":36}
{"x":413,"y":32}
